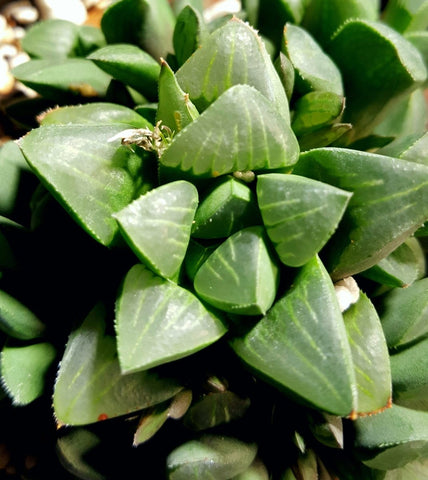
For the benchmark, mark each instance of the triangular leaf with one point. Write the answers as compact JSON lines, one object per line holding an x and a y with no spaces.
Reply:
{"x":407,"y":15}
{"x":150,"y":423}
{"x":299,"y":214}
{"x":157,"y":226}
{"x":158,"y":322}
{"x":413,"y":148}
{"x":233,"y":54}
{"x":90,"y":386}
{"x":241,"y":275}
{"x":240,"y":131}
{"x":390,"y":202}
{"x":301,"y":344}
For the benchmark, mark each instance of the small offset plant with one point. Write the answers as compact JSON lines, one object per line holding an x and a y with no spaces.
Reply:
{"x":212,"y":241}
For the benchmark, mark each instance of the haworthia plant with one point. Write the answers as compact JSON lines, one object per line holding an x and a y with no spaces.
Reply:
{"x":214,"y":237}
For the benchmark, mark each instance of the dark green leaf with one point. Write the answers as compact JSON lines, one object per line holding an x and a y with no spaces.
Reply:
{"x":178,"y":5}
{"x":315,"y":110}
{"x":89,"y":386}
{"x":407,"y":15}
{"x":409,"y":370}
{"x":90,"y":39}
{"x":299,"y":214}
{"x":323,"y":137}
{"x":148,"y":24}
{"x":157,"y":226}
{"x":369,"y":355}
{"x":229,"y":206}
{"x":378,"y":65}
{"x":314,"y":69}
{"x":91,"y":176}
{"x":241,"y":276}
{"x":286,"y":73}
{"x":64,"y":80}
{"x":301,"y":344}
{"x":392,"y":438}
{"x":158,"y":322}
{"x":23,"y":371}
{"x":413,"y":148}
{"x":388,"y":204}
{"x":96,"y":113}
{"x":175,"y":109}
{"x":233,"y":54}
{"x":17,"y":320}
{"x":195,"y":256}
{"x":405,"y":313}
{"x":189,"y":33}
{"x":401,"y":267}
{"x":252,"y":135}
{"x":130,"y":65}
{"x":210,"y":457}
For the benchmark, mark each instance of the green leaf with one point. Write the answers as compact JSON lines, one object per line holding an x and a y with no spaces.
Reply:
{"x":148,"y":24}
{"x":63,"y":80}
{"x":130,"y":65}
{"x":407,"y":15}
{"x":387,"y":206}
{"x":150,"y":423}
{"x":233,"y":54}
{"x":241,"y":276}
{"x":210,"y":457}
{"x":369,"y":355}
{"x":413,"y":148}
{"x":89,"y":175}
{"x":286,"y":73}
{"x":157,"y":226}
{"x":301,"y":344}
{"x":252,"y":135}
{"x":175,"y":110}
{"x":158,"y":322}
{"x":189,"y":33}
{"x":89,"y":385}
{"x":420,"y":41}
{"x":404,"y":314}
{"x":299,"y":214}
{"x":416,"y":470}
{"x":227,"y":207}
{"x":409,"y":370}
{"x":324,"y":136}
{"x":17,"y":320}
{"x":195,"y":256}
{"x":179,"y":5}
{"x":256,"y":471}
{"x":323,"y":17}
{"x":378,"y":65}
{"x":313,"y":68}
{"x":401,"y":267}
{"x":97,"y":113}
{"x":315,"y":110}
{"x":90,"y":39}
{"x":215,"y":409}
{"x":23,"y":371}
{"x":392,"y":438}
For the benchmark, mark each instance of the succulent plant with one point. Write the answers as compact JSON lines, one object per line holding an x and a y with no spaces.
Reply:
{"x":213,"y":241}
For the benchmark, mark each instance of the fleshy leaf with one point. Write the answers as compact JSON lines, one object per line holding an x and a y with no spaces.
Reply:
{"x":17,"y":320}
{"x":150,"y":423}
{"x":91,"y":176}
{"x":158,"y":322}
{"x":233,"y":54}
{"x":64,"y":80}
{"x":313,"y":68}
{"x":210,"y":457}
{"x":407,"y":15}
{"x":88,"y":365}
{"x":409,"y":369}
{"x":130,"y":65}
{"x":286,"y":73}
{"x":413,"y":148}
{"x":175,"y":109}
{"x":301,"y":344}
{"x":256,"y":471}
{"x":323,"y":137}
{"x":299,"y":214}
{"x":401,"y":267}
{"x":228,"y":207}
{"x":389,"y":203}
{"x":23,"y":371}
{"x":195,"y":256}
{"x":241,"y":276}
{"x":252,"y":135}
{"x":157,"y":226}
{"x":148,"y":24}
{"x":404,"y":313}
{"x":369,"y":355}
{"x":392,"y":438}
{"x":378,"y":65}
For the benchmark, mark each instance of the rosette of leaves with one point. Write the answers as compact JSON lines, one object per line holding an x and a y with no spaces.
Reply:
{"x":204,"y":244}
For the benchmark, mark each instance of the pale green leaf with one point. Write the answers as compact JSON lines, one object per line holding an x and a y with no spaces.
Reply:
{"x":150,"y":423}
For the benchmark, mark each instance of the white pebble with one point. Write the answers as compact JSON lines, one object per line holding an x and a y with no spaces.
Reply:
{"x":223,"y":7}
{"x":22,"y":12}
{"x":71,"y":10}
{"x":3,"y":23}
{"x":8,"y":50}
{"x":19,"y":59}
{"x":19,"y":32}
{"x":347,"y":292}
{"x":7,"y":81}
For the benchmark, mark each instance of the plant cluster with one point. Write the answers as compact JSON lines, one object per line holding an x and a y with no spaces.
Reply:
{"x":212,"y":241}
